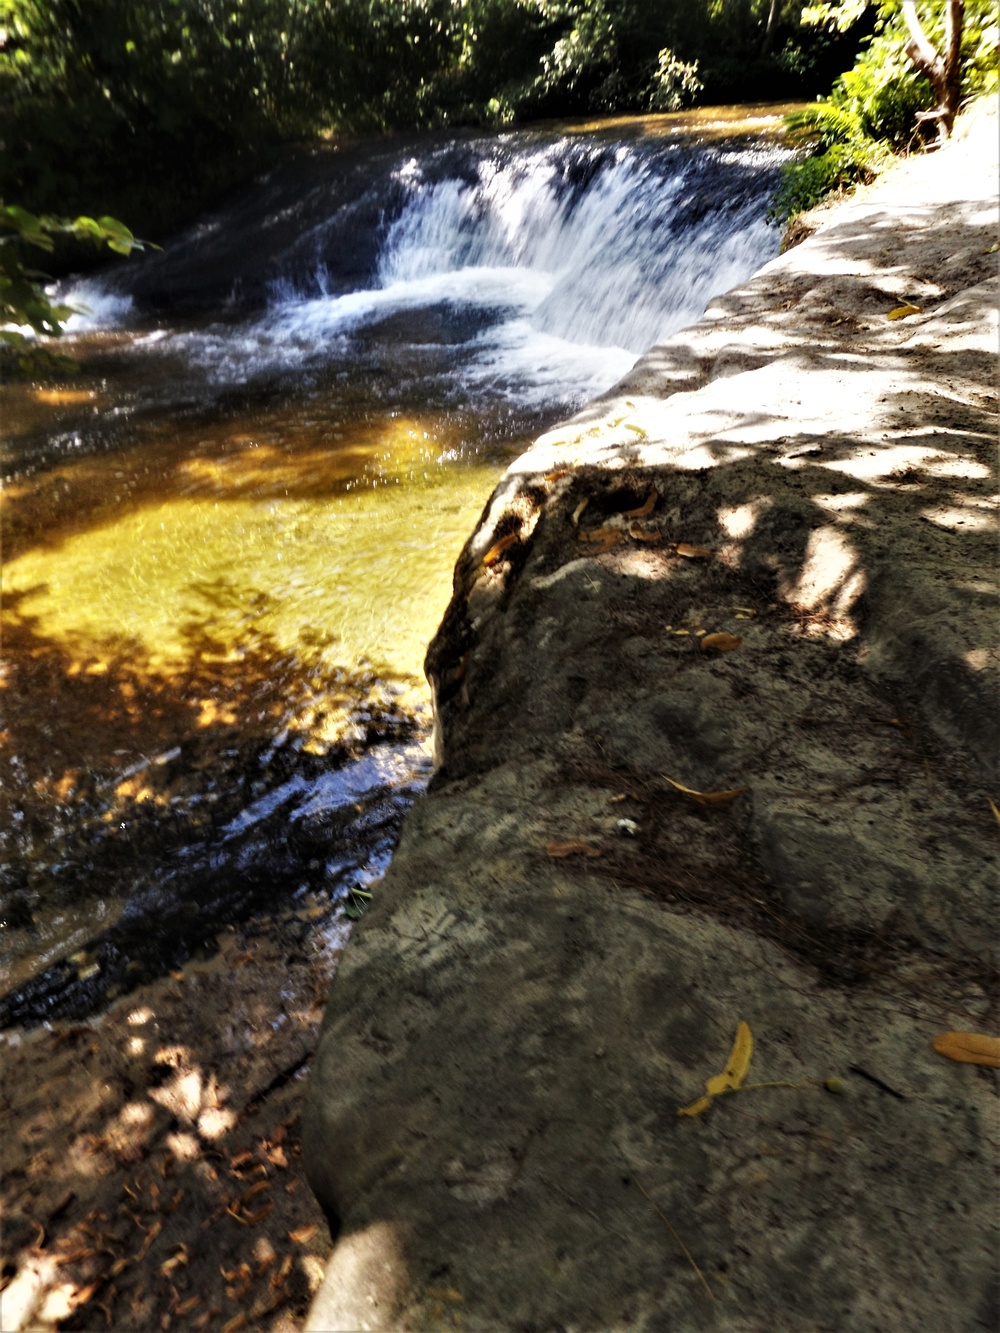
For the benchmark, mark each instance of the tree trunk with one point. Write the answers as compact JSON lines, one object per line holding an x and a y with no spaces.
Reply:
{"x":772,"y":23}
{"x":943,"y":69}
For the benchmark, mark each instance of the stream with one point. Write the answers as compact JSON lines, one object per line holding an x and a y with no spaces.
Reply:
{"x":229,"y":536}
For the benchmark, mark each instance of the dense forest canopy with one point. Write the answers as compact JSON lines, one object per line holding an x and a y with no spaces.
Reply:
{"x":135,"y":107}
{"x":143,"y":109}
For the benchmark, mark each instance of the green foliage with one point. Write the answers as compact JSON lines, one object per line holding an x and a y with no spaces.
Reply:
{"x":875,"y":108}
{"x":24,"y":302}
{"x":148,"y":107}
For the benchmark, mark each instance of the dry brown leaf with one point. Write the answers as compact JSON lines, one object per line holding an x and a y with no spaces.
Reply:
{"x":574,"y":847}
{"x":278,"y":1277}
{"x":706,"y":797}
{"x":498,"y":548}
{"x":151,"y":1235}
{"x":180,"y":1257}
{"x":610,"y":538}
{"x":187,"y":1306}
{"x":238,"y":1321}
{"x":640,"y":534}
{"x":303,"y":1235}
{"x":558,"y":474}
{"x":597,"y":534}
{"x":276,"y":1156}
{"x":904,"y":310}
{"x":252,"y":1219}
{"x":253,"y":1191}
{"x":971,"y":1048}
{"x":240,"y":1160}
{"x":690,"y":552}
{"x":996,"y":812}
{"x":720,"y":643}
{"x":579,"y":510}
{"x":647,"y":507}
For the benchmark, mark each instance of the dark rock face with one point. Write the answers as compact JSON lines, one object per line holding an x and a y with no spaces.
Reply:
{"x":493,"y":1117}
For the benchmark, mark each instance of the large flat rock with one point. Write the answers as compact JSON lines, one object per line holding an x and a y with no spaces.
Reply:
{"x":493,"y":1118}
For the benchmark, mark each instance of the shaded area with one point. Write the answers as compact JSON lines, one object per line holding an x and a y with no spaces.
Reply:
{"x":152,"y":1168}
{"x":170,"y":803}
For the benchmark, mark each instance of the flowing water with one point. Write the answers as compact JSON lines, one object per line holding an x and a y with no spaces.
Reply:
{"x":230,"y":536}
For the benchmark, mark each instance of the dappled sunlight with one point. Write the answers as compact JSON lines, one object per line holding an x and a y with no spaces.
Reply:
{"x":120,"y":1156}
{"x":894,"y":463}
{"x":705,"y":122}
{"x":367,"y":1272}
{"x":963,"y":513}
{"x":354,"y":544}
{"x":830,"y":580}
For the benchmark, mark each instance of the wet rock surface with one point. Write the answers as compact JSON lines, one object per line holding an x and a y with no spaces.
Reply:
{"x":492,"y":1122}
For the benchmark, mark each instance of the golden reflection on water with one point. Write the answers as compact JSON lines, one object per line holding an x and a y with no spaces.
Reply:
{"x":351,"y":544}
{"x":703,"y":122}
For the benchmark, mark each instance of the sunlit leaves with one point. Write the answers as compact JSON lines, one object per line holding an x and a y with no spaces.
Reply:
{"x":24,"y":302}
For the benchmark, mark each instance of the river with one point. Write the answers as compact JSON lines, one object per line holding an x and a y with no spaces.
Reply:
{"x":229,"y":536}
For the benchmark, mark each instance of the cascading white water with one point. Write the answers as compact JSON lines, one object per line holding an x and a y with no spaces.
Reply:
{"x":608,"y":268}
{"x":539,"y":268}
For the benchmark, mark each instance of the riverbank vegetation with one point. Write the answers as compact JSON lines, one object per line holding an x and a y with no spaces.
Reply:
{"x":148,"y":109}
{"x":904,"y":91}
{"x":145,"y":108}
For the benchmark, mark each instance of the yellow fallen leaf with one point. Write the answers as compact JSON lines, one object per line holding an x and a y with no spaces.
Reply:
{"x":637,"y":430}
{"x":706,"y":797}
{"x":970,"y":1048}
{"x":579,"y":510}
{"x":572,"y":848}
{"x":696,"y":1108}
{"x":902,"y":311}
{"x":737,"y":1066}
{"x":996,"y":812}
{"x":497,"y":550}
{"x":731,"y":1078}
{"x":690,"y":552}
{"x":558,"y":474}
{"x":647,"y":507}
{"x":720,"y":643}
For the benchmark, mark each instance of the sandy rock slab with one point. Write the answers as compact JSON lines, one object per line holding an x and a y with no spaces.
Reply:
{"x":717,"y":698}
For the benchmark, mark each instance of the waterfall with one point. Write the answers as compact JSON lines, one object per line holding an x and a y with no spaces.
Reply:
{"x":524,"y":267}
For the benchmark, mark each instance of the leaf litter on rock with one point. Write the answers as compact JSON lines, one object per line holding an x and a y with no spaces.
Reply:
{"x":573,"y":847}
{"x":716,"y":798}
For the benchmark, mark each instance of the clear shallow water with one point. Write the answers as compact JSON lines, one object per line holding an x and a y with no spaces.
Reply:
{"x":228,"y":541}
